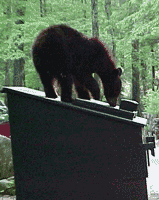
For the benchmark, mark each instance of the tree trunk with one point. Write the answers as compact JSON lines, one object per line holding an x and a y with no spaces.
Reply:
{"x":135,"y":74}
{"x":19,"y":74}
{"x":144,"y":75}
{"x":111,"y":31}
{"x":42,"y":8}
{"x":84,"y":10}
{"x":153,"y":73}
{"x":7,"y":11}
{"x":95,"y":28}
{"x":122,"y":89}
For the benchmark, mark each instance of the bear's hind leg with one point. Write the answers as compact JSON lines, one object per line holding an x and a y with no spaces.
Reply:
{"x":85,"y":84}
{"x":81,"y":90}
{"x":92,"y":85}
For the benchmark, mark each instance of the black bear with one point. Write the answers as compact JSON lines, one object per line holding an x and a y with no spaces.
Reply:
{"x":61,"y":52}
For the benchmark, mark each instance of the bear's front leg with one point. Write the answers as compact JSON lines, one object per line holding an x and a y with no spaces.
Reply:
{"x":47,"y":83}
{"x":66,"y":82}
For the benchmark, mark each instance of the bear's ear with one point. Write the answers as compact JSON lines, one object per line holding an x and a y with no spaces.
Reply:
{"x":117,"y":72}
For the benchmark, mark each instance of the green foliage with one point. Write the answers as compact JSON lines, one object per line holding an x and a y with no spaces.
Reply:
{"x":4,"y":118}
{"x":151,"y":102}
{"x":128,"y":20}
{"x":7,"y":187}
{"x":3,"y":112}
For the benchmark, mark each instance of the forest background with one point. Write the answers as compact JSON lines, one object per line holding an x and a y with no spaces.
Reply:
{"x":130,"y":28}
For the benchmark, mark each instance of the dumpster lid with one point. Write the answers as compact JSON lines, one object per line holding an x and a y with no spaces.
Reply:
{"x":105,"y":107}
{"x":95,"y":107}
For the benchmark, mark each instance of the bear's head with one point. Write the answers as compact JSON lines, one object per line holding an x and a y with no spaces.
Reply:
{"x":112,"y":86}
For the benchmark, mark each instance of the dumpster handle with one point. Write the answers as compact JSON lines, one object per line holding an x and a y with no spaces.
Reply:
{"x":150,"y":145}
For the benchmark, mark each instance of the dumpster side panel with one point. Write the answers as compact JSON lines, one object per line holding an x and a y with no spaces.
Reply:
{"x":67,"y":153}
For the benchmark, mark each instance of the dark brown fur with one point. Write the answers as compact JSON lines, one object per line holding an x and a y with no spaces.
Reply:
{"x":61,"y":52}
